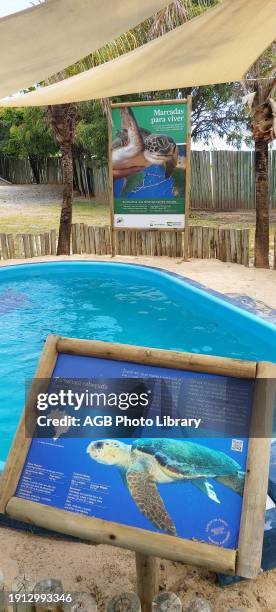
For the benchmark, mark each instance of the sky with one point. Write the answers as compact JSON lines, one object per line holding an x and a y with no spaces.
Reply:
{"x":12,"y":6}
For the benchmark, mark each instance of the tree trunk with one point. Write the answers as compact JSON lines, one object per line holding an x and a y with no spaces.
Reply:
{"x":35,"y":169}
{"x":262,"y":205}
{"x":63,"y":120}
{"x":65,"y":223}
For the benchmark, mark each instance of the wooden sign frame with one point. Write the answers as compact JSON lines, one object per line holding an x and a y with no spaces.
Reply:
{"x":246,"y":560}
{"x":186,"y":211}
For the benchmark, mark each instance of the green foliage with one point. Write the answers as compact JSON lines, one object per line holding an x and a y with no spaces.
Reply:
{"x":217,"y":109}
{"x":25,"y":132}
{"x":91,"y":131}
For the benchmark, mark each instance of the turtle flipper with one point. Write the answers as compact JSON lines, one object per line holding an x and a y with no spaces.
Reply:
{"x":148,"y":500}
{"x":235,"y":482}
{"x":207,"y":488}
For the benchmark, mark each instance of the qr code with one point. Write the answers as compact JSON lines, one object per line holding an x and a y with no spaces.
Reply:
{"x":237,"y":445}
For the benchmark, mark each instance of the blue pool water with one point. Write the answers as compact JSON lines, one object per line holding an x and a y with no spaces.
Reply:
{"x":112,"y":302}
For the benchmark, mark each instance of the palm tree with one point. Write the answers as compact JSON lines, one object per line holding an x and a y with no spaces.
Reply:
{"x":63,"y":121}
{"x":63,"y":116}
{"x":264,"y":131}
{"x":259,"y":97}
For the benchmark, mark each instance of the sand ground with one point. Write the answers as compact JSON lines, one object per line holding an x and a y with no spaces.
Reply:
{"x":104,"y":570}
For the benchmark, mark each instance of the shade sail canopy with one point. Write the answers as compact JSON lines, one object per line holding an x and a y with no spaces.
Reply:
{"x":218,"y":46}
{"x":41,"y":41}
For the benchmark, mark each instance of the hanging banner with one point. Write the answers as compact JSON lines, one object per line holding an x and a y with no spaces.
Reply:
{"x":149,"y":164}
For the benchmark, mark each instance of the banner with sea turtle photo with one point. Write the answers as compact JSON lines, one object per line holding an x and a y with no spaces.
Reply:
{"x":149,"y":160}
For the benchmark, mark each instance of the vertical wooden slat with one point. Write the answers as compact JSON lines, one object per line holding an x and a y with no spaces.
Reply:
{"x":32,"y":245}
{"x":92,"y":247}
{"x":11,"y":246}
{"x":227,"y":245}
{"x":37,"y":245}
{"x":195,"y":242}
{"x":53,"y":242}
{"x":26,"y":246}
{"x":233,"y":249}
{"x":245,"y":247}
{"x":199,"y":242}
{"x":4,"y":246}
{"x":86,"y":239}
{"x":73,"y":239}
{"x":212,"y":246}
{"x":42,"y":244}
{"x":47,"y":243}
{"x":239,"y":246}
{"x":82,"y":239}
{"x":222,"y":245}
{"x":97,"y":242}
{"x":78,"y":239}
{"x":19,"y":245}
{"x":205,"y":243}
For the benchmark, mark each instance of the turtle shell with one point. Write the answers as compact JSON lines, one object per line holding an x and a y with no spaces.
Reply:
{"x":187,"y":458}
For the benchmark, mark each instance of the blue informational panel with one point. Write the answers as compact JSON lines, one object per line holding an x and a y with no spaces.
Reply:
{"x":185,"y":481}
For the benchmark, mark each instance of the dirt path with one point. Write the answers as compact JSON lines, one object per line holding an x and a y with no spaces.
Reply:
{"x":22,"y":195}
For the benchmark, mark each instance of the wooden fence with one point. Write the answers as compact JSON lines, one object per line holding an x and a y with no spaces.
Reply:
{"x":23,"y":246}
{"x":90,"y":179}
{"x":220,"y":180}
{"x":229,"y":245}
{"x":19,"y":171}
{"x":225,"y":180}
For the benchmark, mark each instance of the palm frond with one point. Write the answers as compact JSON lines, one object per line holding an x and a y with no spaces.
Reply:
{"x":177,"y":13}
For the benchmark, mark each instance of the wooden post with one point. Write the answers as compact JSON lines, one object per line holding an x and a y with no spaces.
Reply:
{"x":53,"y":241}
{"x":110,"y":185}
{"x":188,"y":179}
{"x":11,"y":247}
{"x":147,"y":572}
{"x":21,"y":443}
{"x":255,"y":490}
{"x":166,"y":602}
{"x":126,"y":601}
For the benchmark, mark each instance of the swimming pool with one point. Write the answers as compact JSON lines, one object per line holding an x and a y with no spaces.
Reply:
{"x":112,"y":302}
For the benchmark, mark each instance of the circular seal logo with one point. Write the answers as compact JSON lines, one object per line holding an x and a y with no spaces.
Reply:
{"x":218,"y":531}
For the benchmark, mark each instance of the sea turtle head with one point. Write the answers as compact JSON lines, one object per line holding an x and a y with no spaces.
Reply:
{"x":110,"y":452}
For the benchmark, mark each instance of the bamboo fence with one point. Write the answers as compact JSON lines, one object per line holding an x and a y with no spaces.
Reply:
{"x":23,"y":246}
{"x":220,"y":180}
{"x":229,"y":245}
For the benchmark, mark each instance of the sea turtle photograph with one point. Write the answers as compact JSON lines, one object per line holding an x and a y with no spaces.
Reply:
{"x":146,"y":463}
{"x":135,"y":147}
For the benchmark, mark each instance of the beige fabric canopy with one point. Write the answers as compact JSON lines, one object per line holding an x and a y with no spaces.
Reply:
{"x":42,"y":40}
{"x":216,"y":47}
